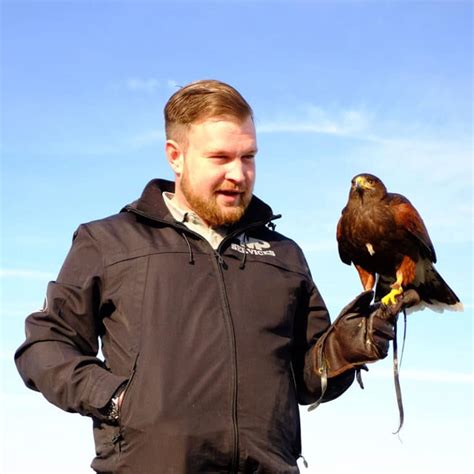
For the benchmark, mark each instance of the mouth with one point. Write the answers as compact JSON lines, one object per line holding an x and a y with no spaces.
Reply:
{"x":231,"y":190}
{"x":227,"y":192}
{"x":230,"y":195}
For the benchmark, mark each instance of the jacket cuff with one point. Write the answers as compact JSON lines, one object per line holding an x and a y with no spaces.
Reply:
{"x":101,"y":390}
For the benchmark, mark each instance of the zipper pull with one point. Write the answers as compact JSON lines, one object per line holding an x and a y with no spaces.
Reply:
{"x":305,"y":463}
{"x":219,"y":258}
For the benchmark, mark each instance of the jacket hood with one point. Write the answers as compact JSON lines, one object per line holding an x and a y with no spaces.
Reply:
{"x":151,"y":204}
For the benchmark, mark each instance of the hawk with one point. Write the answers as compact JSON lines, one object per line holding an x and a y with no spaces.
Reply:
{"x":385,"y":238}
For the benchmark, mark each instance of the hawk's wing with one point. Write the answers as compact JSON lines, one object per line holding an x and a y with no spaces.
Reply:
{"x":341,"y":239}
{"x":406,"y":216}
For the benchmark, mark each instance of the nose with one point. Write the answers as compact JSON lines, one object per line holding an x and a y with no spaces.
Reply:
{"x":236,"y":171}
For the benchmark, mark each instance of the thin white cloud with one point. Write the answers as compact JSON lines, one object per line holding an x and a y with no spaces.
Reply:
{"x":138,"y":84}
{"x":314,"y":119}
{"x":26,"y":273}
{"x":359,"y":124}
{"x":172,"y":84}
{"x":148,"y":85}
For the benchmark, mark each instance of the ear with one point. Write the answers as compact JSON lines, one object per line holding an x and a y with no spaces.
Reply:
{"x":175,"y":156}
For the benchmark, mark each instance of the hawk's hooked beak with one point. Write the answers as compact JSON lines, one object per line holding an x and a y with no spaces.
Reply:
{"x":360,"y":184}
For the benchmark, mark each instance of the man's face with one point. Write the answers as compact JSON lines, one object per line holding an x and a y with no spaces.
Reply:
{"x":215,"y":173}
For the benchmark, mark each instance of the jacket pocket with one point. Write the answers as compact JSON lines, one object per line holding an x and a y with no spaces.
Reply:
{"x":127,"y":388}
{"x":117,"y":440}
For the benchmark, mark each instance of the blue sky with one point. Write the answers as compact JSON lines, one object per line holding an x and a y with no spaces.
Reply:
{"x":337,"y":88}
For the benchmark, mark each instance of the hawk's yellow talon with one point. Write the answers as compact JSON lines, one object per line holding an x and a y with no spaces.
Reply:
{"x":390,"y":298}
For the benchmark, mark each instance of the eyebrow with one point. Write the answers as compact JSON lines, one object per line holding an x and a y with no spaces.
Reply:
{"x":218,"y":151}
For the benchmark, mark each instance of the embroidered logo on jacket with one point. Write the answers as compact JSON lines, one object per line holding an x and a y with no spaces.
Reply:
{"x":252,"y":246}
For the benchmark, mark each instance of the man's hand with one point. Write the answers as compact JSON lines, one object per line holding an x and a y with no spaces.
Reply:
{"x":360,"y":335}
{"x":112,"y":409}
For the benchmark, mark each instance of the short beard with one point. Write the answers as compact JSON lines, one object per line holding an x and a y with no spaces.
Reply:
{"x":208,"y":209}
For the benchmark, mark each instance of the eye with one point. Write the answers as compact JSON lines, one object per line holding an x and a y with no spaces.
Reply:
{"x":218,"y":157}
{"x":248,"y":157}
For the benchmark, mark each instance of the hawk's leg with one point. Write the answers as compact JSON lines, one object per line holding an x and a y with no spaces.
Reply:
{"x":405,"y":275}
{"x":391,"y":298}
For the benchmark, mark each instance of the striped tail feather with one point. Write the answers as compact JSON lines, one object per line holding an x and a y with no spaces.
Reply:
{"x":434,"y":292}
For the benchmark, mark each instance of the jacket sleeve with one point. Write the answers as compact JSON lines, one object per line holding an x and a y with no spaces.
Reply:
{"x":59,"y":355}
{"x":311,"y":323}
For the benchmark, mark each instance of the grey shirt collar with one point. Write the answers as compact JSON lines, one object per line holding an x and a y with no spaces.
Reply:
{"x":193,"y":222}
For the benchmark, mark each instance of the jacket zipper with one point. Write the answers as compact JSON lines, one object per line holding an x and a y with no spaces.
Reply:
{"x":119,"y":436}
{"x":234,"y":370}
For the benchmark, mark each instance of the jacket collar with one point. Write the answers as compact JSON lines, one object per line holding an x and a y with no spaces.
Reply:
{"x":152,"y":205}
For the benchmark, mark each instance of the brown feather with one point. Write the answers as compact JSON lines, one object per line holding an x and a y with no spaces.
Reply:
{"x":406,"y":216}
{"x":367,"y":279}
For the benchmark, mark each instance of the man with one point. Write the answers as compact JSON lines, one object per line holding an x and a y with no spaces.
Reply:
{"x":209,"y":319}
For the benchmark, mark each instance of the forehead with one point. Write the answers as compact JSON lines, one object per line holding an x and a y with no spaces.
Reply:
{"x":222,"y":132}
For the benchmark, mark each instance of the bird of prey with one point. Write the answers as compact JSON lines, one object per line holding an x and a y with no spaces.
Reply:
{"x":385,"y":238}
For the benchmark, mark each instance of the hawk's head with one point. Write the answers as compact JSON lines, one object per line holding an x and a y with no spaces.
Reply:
{"x":367,"y":185}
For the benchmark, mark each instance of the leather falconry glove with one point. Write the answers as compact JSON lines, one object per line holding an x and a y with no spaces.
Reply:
{"x":361,"y":334}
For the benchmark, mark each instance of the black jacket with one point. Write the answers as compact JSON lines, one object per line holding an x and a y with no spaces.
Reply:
{"x":212,"y":345}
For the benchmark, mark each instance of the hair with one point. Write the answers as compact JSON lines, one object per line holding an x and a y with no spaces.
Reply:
{"x":199,"y":101}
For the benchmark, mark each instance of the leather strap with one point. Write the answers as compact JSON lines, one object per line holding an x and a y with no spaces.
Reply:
{"x":396,"y":371}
